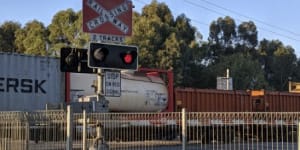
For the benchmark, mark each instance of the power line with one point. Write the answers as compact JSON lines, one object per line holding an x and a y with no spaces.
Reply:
{"x":222,"y":14}
{"x":141,"y":2}
{"x":282,"y":35}
{"x":199,"y":22}
{"x":203,"y":7}
{"x":251,"y":18}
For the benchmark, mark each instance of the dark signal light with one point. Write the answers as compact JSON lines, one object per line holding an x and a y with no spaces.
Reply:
{"x":74,"y":60}
{"x":71,"y":60}
{"x":100,"y":54}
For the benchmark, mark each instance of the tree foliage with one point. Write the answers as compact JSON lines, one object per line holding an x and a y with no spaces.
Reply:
{"x":163,"y":42}
{"x":264,"y":66}
{"x":150,"y":30}
{"x":246,"y":71}
{"x":32,"y":39}
{"x":66,"y":30}
{"x":279,"y":63}
{"x":7,"y":36}
{"x":247,"y":36}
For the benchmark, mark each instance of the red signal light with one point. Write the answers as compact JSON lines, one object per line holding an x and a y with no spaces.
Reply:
{"x":127,"y":58}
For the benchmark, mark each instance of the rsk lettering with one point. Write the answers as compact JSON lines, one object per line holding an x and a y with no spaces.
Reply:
{"x":21,"y":85}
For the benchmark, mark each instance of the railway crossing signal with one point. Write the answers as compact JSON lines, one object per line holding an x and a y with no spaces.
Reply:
{"x":99,"y":56}
{"x":111,"y":56}
{"x":74,"y":60}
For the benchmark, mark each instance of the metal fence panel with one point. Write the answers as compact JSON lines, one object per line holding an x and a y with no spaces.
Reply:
{"x":47,"y":130}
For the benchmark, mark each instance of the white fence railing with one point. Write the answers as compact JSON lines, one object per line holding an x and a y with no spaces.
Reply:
{"x":177,"y":130}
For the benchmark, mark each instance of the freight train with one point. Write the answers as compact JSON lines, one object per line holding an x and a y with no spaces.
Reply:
{"x":154,"y":96}
{"x":30,"y":83}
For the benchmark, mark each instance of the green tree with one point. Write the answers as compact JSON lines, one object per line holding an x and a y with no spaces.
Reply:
{"x":163,"y":42}
{"x":81,"y":39}
{"x":168,"y":57}
{"x":66,"y":30}
{"x":222,"y":35}
{"x":32,"y":39}
{"x":245,"y":71}
{"x":19,"y":41}
{"x":151,"y":28}
{"x":279,"y":62}
{"x":225,"y":38}
{"x":7,"y":36}
{"x":189,"y":51}
{"x":247,"y":38}
{"x":296,"y":76}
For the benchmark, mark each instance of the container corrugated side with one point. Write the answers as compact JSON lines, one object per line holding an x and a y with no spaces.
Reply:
{"x":210,"y":100}
{"x":282,"y":101}
{"x":202,"y":100}
{"x":28,"y":83}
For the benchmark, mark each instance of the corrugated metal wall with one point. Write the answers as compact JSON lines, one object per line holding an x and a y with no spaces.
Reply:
{"x":201,"y":100}
{"x":28,"y":83}
{"x":282,"y":102}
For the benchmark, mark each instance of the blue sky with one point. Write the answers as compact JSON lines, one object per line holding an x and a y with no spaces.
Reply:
{"x":275,"y":19}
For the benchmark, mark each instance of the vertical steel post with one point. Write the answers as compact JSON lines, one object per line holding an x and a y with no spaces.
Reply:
{"x":68,"y":88}
{"x":99,"y":85}
{"x":100,"y":97}
{"x":298,"y":143}
{"x":290,"y":86}
{"x":69,"y":143}
{"x":183,"y":130}
{"x":84,"y":130}
{"x":98,"y":130}
{"x":227,"y":79}
{"x":171,"y":103}
{"x":27,"y":132}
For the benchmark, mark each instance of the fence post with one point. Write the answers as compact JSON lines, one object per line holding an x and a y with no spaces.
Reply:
{"x":27,"y":131}
{"x":84,"y":130}
{"x":183,"y":130}
{"x":69,"y":143}
{"x":298,"y":130}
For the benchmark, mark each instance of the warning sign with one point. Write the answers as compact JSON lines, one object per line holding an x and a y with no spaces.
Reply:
{"x":110,"y":17}
{"x":112,"y":84}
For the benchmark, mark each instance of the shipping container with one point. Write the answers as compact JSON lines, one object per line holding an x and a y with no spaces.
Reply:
{"x":29,"y":83}
{"x":204,"y":100}
{"x":282,"y":101}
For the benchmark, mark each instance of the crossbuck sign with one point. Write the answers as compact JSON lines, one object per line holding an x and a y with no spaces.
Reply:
{"x":109,"y":17}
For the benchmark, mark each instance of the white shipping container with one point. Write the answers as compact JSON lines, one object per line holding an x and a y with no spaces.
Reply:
{"x":29,"y":83}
